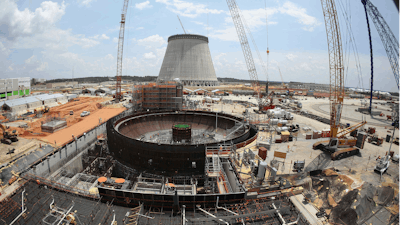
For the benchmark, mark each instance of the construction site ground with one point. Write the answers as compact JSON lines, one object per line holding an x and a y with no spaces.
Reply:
{"x":354,"y":174}
{"x":22,"y":146}
{"x":31,"y":137}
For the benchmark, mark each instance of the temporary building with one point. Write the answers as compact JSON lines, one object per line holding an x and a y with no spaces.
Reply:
{"x":71,"y":96}
{"x":88,"y":91}
{"x":46,"y":99}
{"x":103,"y":90}
{"x":60,"y":97}
{"x":21,"y":104}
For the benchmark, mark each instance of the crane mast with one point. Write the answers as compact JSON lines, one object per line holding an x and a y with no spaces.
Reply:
{"x":389,"y":41}
{"x":336,"y":69}
{"x":118,"y":94}
{"x":235,"y":13}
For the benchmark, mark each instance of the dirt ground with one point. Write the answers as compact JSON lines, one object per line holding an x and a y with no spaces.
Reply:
{"x":91,"y":104}
{"x":63,"y":136}
{"x":32,"y":137}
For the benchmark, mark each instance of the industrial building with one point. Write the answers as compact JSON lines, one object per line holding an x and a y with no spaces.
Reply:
{"x":309,"y":86}
{"x":22,"y":105}
{"x":61,"y":84}
{"x":188,"y":58}
{"x":157,"y":96}
{"x":89,"y":91}
{"x":103,"y":90}
{"x":14,"y":88}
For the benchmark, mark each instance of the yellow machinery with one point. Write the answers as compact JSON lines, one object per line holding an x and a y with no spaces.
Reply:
{"x":336,"y":70}
{"x":8,"y":137}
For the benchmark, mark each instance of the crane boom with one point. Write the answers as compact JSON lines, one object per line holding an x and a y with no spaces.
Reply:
{"x":235,"y":13}
{"x":335,"y":64}
{"x":389,"y":41}
{"x":118,"y":94}
{"x":181,"y":24}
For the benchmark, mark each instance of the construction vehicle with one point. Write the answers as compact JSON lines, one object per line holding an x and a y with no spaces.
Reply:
{"x":338,"y":145}
{"x":375,"y":140}
{"x":43,"y":110}
{"x":264,"y":103}
{"x":343,"y":141}
{"x":8,"y":137}
{"x":118,"y":94}
{"x":382,"y":165}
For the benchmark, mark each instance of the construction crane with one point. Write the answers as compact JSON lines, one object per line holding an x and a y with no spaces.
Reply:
{"x":181,"y":24}
{"x":118,"y":94}
{"x":389,"y":41}
{"x":336,"y":94}
{"x":263,"y":104}
{"x":285,"y":87}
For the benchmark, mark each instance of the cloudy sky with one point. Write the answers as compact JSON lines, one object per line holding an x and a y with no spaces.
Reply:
{"x":48,"y":39}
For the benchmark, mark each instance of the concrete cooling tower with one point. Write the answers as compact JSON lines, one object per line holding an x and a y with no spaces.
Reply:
{"x":188,"y":58}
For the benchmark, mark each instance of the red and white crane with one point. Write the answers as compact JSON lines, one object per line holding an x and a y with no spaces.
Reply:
{"x":118,"y":94}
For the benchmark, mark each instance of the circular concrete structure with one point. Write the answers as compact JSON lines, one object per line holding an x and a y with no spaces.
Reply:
{"x":188,"y":58}
{"x":144,"y":140}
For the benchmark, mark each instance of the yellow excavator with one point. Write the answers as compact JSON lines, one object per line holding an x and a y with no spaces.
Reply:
{"x":8,"y":137}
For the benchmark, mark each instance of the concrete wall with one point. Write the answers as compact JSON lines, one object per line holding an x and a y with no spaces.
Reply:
{"x":61,"y":84}
{"x":188,"y":58}
{"x":67,"y":152}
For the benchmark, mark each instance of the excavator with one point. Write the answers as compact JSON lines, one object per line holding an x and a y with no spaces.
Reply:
{"x":8,"y":137}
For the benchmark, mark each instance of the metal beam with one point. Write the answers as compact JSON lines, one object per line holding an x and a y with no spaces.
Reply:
{"x":238,"y":216}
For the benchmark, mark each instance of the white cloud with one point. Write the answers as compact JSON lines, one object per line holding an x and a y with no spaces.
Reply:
{"x":101,"y":37}
{"x":86,"y":2}
{"x":188,"y":9}
{"x":31,"y":60}
{"x":143,"y":5}
{"x":228,"y":34}
{"x":292,"y":9}
{"x":140,"y":28}
{"x":3,"y":50}
{"x":149,"y":55}
{"x":256,"y":18}
{"x":42,"y":67}
{"x":36,"y":29}
{"x":104,"y":37}
{"x":115,"y":40}
{"x":291,"y":56}
{"x":26,"y":23}
{"x":109,"y":57}
{"x":152,"y":41}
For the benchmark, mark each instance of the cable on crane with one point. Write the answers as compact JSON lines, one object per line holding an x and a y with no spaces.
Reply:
{"x":372,"y":59}
{"x":354,"y":44}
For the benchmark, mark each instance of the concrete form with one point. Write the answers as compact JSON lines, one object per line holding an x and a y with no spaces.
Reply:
{"x":188,"y":58}
{"x":53,"y":126}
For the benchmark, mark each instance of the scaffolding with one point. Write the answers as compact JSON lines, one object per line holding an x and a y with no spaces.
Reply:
{"x":158,"y":96}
